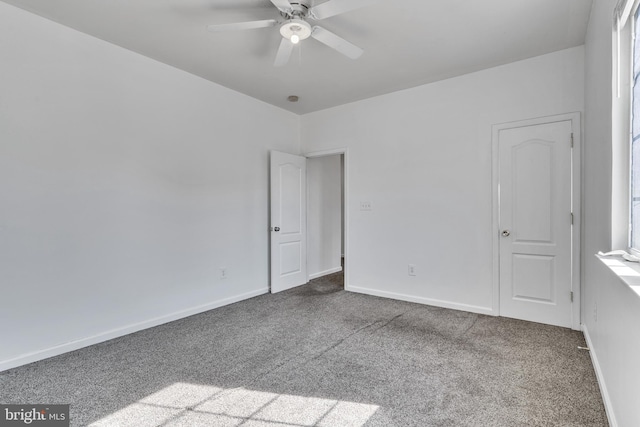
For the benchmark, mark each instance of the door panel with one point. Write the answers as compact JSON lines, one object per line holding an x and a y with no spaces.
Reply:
{"x":290,"y":262}
{"x":535,"y":223}
{"x":288,"y":221}
{"x":532,"y":191}
{"x":291,"y":195}
{"x":533,"y":278}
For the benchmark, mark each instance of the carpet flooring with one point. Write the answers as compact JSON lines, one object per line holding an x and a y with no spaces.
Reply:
{"x":319,"y":356}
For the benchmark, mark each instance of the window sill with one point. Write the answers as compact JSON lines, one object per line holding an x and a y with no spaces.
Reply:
{"x":627,"y":272}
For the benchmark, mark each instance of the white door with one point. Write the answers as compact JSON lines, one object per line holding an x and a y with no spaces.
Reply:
{"x":535,"y":223}
{"x":288,"y":221}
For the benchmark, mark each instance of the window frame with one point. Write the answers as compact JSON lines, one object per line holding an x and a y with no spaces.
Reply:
{"x":634,"y":16}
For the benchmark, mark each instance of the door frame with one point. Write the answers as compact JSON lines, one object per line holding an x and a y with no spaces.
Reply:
{"x":345,"y":204}
{"x":576,"y":205}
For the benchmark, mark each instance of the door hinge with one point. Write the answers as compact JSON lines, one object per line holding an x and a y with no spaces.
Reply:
{"x":572,"y":140}
{"x":571,"y":295}
{"x":571,"y":218}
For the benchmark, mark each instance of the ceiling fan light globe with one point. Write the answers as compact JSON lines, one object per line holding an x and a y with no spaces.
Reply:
{"x":295,"y":27}
{"x":295,"y":39}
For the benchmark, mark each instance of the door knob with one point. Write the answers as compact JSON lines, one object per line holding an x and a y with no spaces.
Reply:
{"x":276,"y":229}
{"x":506,"y":233}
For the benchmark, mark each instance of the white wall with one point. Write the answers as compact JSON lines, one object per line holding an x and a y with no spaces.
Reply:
{"x":125,"y":185}
{"x":422,"y":157}
{"x":613,"y":334}
{"x":324,"y":215}
{"x":611,"y":311}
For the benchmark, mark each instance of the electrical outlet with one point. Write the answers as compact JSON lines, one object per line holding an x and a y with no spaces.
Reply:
{"x":595,"y":311}
{"x":365,"y":206}
{"x":412,"y":270}
{"x":223,"y":273}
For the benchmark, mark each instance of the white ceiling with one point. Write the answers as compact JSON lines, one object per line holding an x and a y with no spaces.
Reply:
{"x":407,"y":43}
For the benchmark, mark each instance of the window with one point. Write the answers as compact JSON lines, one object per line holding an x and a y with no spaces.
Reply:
{"x":634,"y":238}
{"x":626,"y":128}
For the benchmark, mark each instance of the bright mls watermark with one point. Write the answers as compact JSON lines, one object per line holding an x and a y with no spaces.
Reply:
{"x":34,"y":415}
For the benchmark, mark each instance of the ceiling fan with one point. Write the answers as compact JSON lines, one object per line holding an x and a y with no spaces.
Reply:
{"x":296,"y":27}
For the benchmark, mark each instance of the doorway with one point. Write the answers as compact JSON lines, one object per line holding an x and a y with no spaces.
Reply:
{"x":324,"y":215}
{"x":536,"y":202}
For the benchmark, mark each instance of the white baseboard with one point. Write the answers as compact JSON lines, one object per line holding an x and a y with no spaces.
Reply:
{"x":125,"y":330}
{"x":324,"y":273}
{"x":603,"y":387}
{"x":421,"y":300}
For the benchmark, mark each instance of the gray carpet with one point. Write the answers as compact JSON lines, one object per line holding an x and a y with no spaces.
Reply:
{"x":319,"y":356}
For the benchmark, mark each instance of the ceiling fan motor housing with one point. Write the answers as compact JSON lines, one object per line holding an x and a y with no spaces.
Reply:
{"x":301,"y":6}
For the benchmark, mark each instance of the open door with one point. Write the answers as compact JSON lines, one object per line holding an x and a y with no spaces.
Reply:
{"x":288,"y":221}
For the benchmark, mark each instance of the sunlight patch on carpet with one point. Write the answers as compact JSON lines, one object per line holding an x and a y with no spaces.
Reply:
{"x":184,"y":404}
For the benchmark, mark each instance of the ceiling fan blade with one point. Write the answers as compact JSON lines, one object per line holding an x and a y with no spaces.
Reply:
{"x":284,"y":53}
{"x":242,"y":25}
{"x":336,"y":7}
{"x":338,"y":43}
{"x":283,"y":5}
